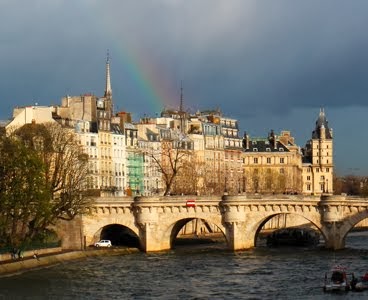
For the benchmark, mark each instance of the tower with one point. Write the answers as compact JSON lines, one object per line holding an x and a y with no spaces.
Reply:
{"x":108,"y":91}
{"x":182,"y":114}
{"x":104,"y":105}
{"x":318,"y":159}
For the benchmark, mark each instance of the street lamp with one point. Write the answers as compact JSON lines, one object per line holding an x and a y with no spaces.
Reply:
{"x":326,"y":185}
{"x":137,"y":185}
{"x":225,"y":191}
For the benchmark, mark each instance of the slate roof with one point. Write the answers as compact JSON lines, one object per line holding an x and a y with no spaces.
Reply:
{"x":321,"y":123}
{"x":115,"y":128}
{"x":264,"y":145}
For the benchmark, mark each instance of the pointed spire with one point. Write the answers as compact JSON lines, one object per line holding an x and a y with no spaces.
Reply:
{"x":181,"y":96}
{"x":108,"y":91}
{"x":321,"y":125}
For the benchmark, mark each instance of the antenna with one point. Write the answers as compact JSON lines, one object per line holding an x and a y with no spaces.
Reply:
{"x":181,"y":96}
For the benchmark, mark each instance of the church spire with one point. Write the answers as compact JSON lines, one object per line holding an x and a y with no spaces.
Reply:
{"x":108,"y":91}
{"x":181,"y":97}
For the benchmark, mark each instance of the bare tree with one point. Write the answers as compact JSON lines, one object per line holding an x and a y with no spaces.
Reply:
{"x":170,"y":159}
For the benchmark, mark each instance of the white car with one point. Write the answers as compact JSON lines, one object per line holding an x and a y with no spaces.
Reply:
{"x":103,"y":243}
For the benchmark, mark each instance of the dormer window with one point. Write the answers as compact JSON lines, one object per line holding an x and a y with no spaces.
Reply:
{"x":281,"y":149}
{"x":255,"y":150}
{"x":268,"y":149}
{"x":254,"y":142}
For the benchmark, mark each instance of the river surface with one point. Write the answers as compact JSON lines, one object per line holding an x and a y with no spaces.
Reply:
{"x":194,"y":272}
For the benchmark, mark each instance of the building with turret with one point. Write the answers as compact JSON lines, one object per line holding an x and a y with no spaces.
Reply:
{"x":318,"y":164}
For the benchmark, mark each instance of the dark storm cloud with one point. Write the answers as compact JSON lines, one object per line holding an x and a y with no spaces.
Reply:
{"x":263,"y":54}
{"x":267,"y":55}
{"x":263,"y":62}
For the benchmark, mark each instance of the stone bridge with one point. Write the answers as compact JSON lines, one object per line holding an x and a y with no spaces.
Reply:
{"x":156,"y":221}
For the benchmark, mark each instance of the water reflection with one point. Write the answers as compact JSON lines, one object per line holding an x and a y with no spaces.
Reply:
{"x":188,"y":272}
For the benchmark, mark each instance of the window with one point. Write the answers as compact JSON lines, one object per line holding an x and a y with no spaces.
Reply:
{"x":268,"y":149}
{"x":282,"y":171}
{"x":308,"y":177}
{"x":255,"y":150}
{"x":308,"y":187}
{"x":255,"y":160}
{"x":282,"y":160}
{"x":268,"y":160}
{"x":281,"y":149}
{"x":317,"y":170}
{"x":327,"y":170}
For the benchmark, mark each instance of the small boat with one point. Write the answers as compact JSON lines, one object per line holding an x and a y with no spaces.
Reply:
{"x":293,"y":237}
{"x":360,"y":284}
{"x":337,"y":280}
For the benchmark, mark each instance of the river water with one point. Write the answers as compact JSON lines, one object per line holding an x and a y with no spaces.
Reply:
{"x":194,"y":272}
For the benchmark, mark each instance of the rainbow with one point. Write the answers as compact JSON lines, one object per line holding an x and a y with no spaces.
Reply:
{"x":150,"y":80}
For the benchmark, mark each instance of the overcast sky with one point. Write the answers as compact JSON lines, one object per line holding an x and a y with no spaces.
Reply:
{"x":270,"y":64}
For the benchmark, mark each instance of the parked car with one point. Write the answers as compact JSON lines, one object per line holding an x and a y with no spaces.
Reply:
{"x":103,"y":243}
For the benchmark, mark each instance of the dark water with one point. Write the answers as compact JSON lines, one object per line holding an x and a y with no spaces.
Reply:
{"x":194,"y":273}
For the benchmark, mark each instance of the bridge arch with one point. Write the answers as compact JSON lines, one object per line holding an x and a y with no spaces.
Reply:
{"x":258,"y":225}
{"x":119,"y":235}
{"x":109,"y":229}
{"x":347,"y":224}
{"x":172,"y":229}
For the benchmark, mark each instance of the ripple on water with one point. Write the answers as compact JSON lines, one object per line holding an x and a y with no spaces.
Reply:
{"x":192,"y":274}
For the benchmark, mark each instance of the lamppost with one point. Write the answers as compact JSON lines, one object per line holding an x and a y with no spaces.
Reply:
{"x":326,"y":185}
{"x":137,"y":185}
{"x":244,"y":184}
{"x":156,"y":185}
{"x":225,"y":191}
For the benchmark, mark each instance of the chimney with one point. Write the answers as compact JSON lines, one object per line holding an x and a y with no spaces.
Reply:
{"x":246,"y":141}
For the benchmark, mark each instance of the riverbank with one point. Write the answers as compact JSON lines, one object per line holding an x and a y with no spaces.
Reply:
{"x":9,"y":268}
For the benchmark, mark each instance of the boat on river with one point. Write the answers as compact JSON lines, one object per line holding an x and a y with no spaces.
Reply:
{"x":360,"y":284}
{"x":293,"y":237}
{"x":337,"y":280}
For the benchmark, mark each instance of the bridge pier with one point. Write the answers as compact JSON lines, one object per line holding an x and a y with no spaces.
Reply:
{"x":147,"y":218}
{"x":235,"y":222}
{"x":333,"y":238}
{"x":150,"y":238}
{"x":237,"y":237}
